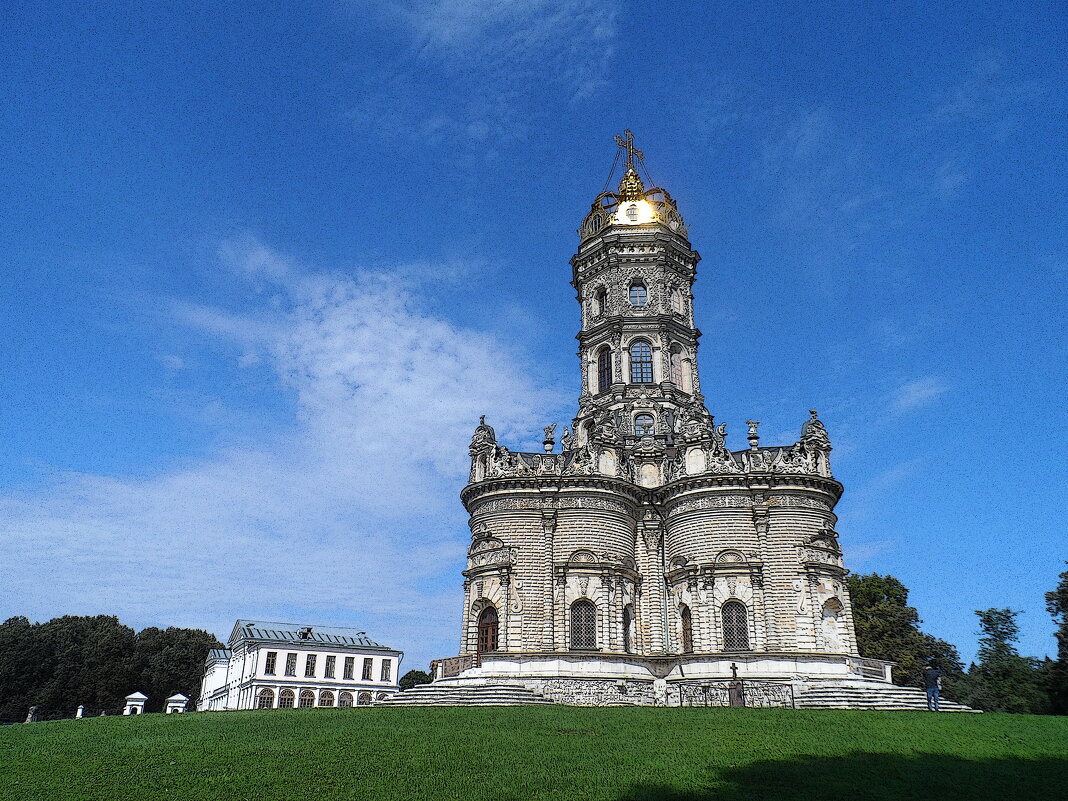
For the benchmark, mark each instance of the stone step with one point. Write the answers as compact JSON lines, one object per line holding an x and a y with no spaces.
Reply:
{"x":871,"y":696}
{"x":465,"y":695}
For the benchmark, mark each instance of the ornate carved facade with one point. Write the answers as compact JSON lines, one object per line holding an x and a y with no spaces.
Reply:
{"x":645,"y":548}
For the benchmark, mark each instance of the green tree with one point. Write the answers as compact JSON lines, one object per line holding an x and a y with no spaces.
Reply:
{"x":95,"y":661}
{"x":23,"y":666}
{"x":888,"y":628}
{"x":169,"y":661}
{"x":414,"y":677}
{"x":1057,"y":671}
{"x":1002,"y":680}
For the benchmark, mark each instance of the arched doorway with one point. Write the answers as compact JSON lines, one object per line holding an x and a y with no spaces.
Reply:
{"x":265,"y":699}
{"x":487,"y":630}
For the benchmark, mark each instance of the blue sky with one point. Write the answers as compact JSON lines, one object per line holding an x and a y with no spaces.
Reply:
{"x":266,"y":263}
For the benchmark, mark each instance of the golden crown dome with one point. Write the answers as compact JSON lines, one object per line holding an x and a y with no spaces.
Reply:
{"x":632,"y":205}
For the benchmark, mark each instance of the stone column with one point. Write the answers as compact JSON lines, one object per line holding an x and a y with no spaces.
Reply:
{"x":505,"y":634}
{"x":548,"y":529}
{"x":651,"y":531}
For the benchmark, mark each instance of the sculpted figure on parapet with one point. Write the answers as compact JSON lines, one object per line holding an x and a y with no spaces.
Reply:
{"x":484,"y":437}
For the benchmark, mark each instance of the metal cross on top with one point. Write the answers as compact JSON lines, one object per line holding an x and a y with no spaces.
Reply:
{"x":626,"y":142}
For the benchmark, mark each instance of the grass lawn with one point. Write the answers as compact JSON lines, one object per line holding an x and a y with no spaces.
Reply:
{"x":539,"y":753}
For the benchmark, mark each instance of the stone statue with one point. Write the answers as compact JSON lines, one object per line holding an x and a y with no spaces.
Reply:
{"x":813,"y":431}
{"x":566,"y":440}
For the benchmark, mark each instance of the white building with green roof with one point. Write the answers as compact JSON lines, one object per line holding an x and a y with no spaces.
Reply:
{"x":286,"y":665}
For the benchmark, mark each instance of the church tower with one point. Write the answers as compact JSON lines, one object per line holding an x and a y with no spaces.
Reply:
{"x":645,"y":561}
{"x":634,"y":272}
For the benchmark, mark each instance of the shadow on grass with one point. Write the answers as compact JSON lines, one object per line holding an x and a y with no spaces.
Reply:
{"x":878,"y":777}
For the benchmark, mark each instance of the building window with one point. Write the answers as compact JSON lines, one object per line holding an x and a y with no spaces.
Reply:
{"x":285,"y":699}
{"x":265,"y":700}
{"x":583,"y":625}
{"x":639,"y":296}
{"x":329,"y":668}
{"x":345,"y":699}
{"x":604,"y":369}
{"x":676,"y":366}
{"x":643,"y":425}
{"x":628,"y":628}
{"x":368,"y":663}
{"x":632,"y":212}
{"x":291,"y":664}
{"x":487,"y":630}
{"x":385,"y":670}
{"x":735,"y":627}
{"x":309,"y":666}
{"x":272,"y":660}
{"x":307,"y":699}
{"x":363,"y":699}
{"x":326,"y":698}
{"x":641,"y":363}
{"x":600,"y":302}
{"x":676,"y":301}
{"x":350,"y":666}
{"x":687,"y":629}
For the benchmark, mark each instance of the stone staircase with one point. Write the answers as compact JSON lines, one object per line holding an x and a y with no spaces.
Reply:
{"x":464,"y":695}
{"x":869,"y":695}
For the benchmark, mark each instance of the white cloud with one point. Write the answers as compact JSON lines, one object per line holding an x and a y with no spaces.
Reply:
{"x":352,"y":515}
{"x":495,"y":55}
{"x":915,"y":394}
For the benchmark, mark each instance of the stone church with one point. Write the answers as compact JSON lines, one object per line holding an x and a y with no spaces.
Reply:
{"x":645,"y":560}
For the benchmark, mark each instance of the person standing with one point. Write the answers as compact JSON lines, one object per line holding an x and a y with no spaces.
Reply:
{"x":932,"y":678}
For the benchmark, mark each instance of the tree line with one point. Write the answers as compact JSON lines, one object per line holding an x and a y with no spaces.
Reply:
{"x":96,"y":662}
{"x":1000,"y":680}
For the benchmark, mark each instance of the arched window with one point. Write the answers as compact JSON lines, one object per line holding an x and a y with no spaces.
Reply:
{"x":641,"y":362}
{"x":285,"y":699}
{"x":604,"y":369}
{"x":487,"y":630}
{"x":687,"y":629}
{"x":363,"y":699}
{"x":583,"y":625}
{"x":628,"y":628}
{"x":735,"y":627}
{"x":345,"y":699}
{"x":676,"y":366}
{"x":643,"y":425}
{"x":639,"y":296}
{"x":307,"y":699}
{"x":265,"y":699}
{"x":600,"y":302}
{"x":326,"y":698}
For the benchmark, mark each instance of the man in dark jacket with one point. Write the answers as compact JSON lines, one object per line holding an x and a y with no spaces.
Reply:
{"x":932,"y":676}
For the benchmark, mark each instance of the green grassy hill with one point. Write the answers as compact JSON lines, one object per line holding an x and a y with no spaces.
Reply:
{"x":539,"y":753}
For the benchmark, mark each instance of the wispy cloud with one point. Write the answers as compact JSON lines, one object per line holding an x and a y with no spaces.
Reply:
{"x":350,"y":515}
{"x":857,"y":555}
{"x":864,"y":500}
{"x":915,"y":394}
{"x":494,"y":55}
